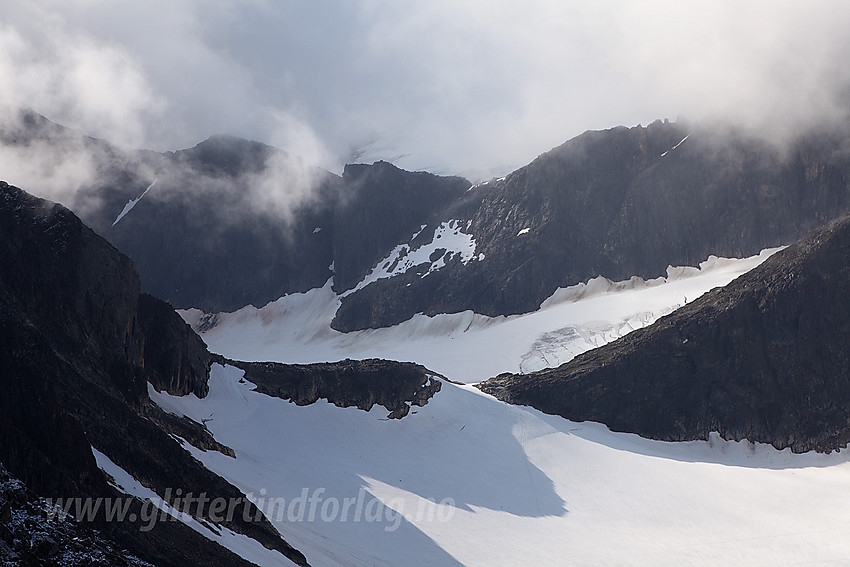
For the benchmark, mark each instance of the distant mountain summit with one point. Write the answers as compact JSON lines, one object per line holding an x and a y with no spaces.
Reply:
{"x":764,"y":358}
{"x":232,"y":222}
{"x":619,"y":203}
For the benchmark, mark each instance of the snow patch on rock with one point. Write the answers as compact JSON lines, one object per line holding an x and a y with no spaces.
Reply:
{"x":448,"y":242}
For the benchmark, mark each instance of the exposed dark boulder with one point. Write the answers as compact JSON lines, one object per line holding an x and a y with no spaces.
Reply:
{"x":765,"y":358}
{"x":33,"y":532}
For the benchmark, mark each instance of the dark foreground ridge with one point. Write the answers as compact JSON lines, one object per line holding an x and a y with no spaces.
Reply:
{"x":764,"y":358}
{"x":78,"y":345}
{"x":360,"y":383}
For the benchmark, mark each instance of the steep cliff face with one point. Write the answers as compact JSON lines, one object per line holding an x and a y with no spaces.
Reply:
{"x":619,"y":203}
{"x":61,"y":277}
{"x":730,"y":192}
{"x":174,"y":354}
{"x":764,"y":358}
{"x":77,"y":347}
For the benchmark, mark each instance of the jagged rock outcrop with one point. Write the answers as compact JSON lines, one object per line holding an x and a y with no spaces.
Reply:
{"x":361,"y":383}
{"x":76,"y":356}
{"x":764,"y":358}
{"x":34,"y":532}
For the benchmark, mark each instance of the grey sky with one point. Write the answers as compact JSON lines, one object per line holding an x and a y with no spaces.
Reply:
{"x":468,"y":86}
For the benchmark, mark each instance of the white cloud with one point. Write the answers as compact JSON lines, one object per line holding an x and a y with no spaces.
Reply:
{"x":75,"y":77}
{"x":452,"y":85}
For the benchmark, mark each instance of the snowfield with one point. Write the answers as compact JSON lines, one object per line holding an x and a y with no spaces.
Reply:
{"x":465,"y":347}
{"x":468,"y":480}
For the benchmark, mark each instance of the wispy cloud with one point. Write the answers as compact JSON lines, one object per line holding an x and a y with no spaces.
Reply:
{"x":86,"y":81}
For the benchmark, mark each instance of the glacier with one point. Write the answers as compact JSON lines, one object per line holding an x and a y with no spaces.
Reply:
{"x":466,"y":347}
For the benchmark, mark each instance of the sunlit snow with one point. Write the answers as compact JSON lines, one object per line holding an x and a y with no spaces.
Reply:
{"x":468,"y":480}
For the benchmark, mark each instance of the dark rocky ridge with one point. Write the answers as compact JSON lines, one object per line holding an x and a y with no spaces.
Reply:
{"x":77,"y":348}
{"x":619,"y":203}
{"x":360,"y":383}
{"x":764,"y":358}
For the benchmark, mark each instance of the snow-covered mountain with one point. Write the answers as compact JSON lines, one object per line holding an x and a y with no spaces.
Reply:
{"x":617,"y":203}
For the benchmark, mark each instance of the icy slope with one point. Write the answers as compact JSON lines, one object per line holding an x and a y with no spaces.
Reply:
{"x":465,"y":346}
{"x":512,"y":486}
